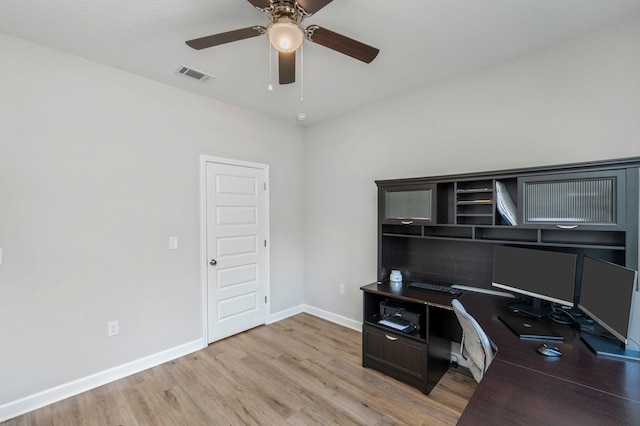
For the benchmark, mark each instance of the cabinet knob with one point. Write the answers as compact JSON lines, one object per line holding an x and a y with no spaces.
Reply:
{"x":213,"y":262}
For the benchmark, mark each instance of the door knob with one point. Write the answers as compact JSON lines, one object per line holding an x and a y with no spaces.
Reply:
{"x":213,"y":262}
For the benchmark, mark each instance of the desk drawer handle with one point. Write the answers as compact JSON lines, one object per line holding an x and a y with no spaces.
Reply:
{"x":391,"y":337}
{"x":567,"y":226}
{"x":406,"y":222}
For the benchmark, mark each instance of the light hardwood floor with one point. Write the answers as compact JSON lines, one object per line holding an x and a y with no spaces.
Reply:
{"x":299,"y":371}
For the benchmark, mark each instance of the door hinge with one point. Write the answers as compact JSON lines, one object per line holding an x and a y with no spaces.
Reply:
{"x":265,"y":186}
{"x":265,"y":299}
{"x":265,"y":243}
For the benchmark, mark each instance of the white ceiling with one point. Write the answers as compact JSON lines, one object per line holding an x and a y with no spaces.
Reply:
{"x":421,"y":42}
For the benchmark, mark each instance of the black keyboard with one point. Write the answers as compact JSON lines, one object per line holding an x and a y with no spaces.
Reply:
{"x":436,"y":287}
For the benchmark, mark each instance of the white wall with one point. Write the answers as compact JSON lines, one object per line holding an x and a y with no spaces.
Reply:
{"x":97,"y":169}
{"x":575,"y":102}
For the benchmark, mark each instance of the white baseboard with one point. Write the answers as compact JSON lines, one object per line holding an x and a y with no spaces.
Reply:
{"x":321,"y":313}
{"x":278,"y":316}
{"x":49,"y":396}
{"x":330,"y":316}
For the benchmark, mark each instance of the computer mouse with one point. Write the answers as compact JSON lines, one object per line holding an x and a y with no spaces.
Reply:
{"x":547,"y":350}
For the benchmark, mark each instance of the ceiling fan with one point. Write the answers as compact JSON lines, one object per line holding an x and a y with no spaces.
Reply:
{"x":286,"y":34}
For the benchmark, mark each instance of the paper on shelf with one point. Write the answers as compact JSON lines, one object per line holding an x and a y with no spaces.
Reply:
{"x":506,"y":208}
{"x":392,"y":324}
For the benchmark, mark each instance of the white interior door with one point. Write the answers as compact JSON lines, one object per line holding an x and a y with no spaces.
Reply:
{"x":236,"y":247}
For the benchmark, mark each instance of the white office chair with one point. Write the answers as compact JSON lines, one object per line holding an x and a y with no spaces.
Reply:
{"x":476,"y":348}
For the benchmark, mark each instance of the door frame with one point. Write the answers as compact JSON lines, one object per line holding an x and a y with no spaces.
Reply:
{"x":204,"y":261}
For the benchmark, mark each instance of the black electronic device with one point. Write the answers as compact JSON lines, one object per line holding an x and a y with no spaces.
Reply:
{"x":529,"y":328}
{"x":607,"y":293}
{"x":395,"y":314}
{"x":391,"y":307}
{"x":437,"y":288}
{"x":542,"y":275}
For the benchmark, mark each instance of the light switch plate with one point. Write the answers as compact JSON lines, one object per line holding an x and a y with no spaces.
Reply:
{"x":173,"y":243}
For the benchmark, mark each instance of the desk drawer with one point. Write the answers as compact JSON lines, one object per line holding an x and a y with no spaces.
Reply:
{"x":395,"y":355}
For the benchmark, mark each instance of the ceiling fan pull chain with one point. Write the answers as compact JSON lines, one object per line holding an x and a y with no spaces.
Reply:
{"x":270,"y":86}
{"x":302,"y":73}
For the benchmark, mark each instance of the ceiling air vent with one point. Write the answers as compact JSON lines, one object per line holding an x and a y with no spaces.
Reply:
{"x":195,"y":74}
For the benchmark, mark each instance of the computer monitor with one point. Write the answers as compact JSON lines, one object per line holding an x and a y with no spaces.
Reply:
{"x":606,"y":295}
{"x":542,"y":275}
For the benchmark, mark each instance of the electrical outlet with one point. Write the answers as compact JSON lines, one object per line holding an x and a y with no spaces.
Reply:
{"x":113,"y":328}
{"x":341,"y":289}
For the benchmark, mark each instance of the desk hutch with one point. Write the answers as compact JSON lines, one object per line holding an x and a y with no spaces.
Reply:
{"x":444,"y":229}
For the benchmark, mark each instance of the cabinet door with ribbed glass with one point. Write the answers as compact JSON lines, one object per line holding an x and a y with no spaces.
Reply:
{"x":588,"y":200}
{"x":408,"y":204}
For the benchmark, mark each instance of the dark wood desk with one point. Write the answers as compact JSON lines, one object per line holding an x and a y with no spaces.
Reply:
{"x":513,"y":395}
{"x":524,"y":387}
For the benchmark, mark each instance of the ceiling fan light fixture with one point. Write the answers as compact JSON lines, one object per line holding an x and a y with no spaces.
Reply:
{"x":285,"y":36}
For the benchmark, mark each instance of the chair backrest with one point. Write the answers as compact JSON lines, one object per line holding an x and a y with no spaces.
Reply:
{"x":475,"y":347}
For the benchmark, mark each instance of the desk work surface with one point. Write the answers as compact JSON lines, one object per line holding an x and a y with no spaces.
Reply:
{"x":577,"y":364}
{"x":513,"y":395}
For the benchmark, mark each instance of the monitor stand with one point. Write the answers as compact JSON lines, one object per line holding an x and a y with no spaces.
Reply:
{"x":604,"y":347}
{"x":536,"y":308}
{"x":530,"y":328}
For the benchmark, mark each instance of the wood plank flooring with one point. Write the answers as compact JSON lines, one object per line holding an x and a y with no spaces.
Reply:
{"x":299,"y":371}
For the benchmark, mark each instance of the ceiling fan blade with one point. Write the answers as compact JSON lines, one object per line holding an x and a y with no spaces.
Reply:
{"x":340,"y":43}
{"x":228,"y":37}
{"x":312,"y":6}
{"x":260,"y":4}
{"x":287,"y":67}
